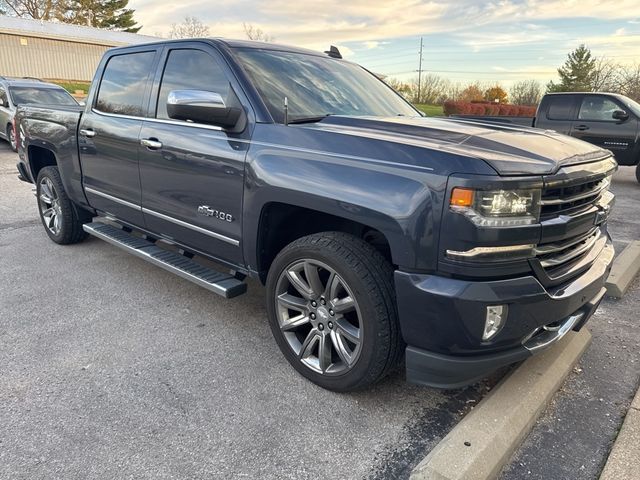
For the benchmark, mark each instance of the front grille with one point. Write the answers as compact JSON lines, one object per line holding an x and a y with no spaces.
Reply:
{"x":572,"y":200}
{"x":557,"y":257}
{"x":562,"y":258}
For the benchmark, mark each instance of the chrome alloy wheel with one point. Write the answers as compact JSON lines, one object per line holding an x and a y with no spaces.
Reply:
{"x":49,"y":203}
{"x":319,"y":317}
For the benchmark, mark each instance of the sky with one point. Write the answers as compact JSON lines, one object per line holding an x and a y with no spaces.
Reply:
{"x":500,"y":41}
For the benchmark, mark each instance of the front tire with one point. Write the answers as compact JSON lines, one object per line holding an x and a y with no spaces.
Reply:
{"x":638,"y":172}
{"x":332,"y":311}
{"x":61,"y":219}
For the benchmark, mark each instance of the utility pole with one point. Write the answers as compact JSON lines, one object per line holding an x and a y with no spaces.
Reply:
{"x":420,"y":72}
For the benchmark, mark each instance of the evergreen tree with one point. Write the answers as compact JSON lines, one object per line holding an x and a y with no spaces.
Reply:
{"x":577,"y":73}
{"x":107,"y":14}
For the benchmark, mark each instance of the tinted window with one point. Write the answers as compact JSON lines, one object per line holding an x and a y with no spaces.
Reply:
{"x":561,"y":108}
{"x":123,"y":83}
{"x":598,"y":108}
{"x":46,"y":96}
{"x":316,"y":86}
{"x":190,"y":70}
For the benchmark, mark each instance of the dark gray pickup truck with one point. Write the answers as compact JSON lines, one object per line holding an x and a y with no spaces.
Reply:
{"x":607,"y":120}
{"x":379,"y":234}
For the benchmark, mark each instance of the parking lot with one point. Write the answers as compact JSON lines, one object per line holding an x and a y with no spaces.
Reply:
{"x":113,"y":368}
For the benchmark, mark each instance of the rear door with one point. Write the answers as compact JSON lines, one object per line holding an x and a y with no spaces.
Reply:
{"x":558,"y":113}
{"x":193,"y":178}
{"x":596,"y":125}
{"x":109,"y":134}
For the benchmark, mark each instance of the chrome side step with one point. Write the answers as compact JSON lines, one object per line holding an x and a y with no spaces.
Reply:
{"x":223,"y":284}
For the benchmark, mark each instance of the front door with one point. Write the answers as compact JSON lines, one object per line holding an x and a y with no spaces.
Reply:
{"x":109,"y":135}
{"x":595,"y":124}
{"x":193,"y":174}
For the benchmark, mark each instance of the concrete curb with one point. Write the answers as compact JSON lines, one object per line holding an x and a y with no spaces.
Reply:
{"x":624,"y":460}
{"x":625,"y":267}
{"x":483,"y":442}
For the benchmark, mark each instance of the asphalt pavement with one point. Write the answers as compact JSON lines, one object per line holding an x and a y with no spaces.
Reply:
{"x":573,"y":438}
{"x":113,"y":368}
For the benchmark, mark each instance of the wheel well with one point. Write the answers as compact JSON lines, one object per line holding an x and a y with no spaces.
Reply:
{"x":39,"y":158}
{"x":281,"y":224}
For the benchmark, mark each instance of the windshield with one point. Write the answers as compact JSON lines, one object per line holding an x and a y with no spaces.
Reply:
{"x":318,"y":86}
{"x":45,"y":96}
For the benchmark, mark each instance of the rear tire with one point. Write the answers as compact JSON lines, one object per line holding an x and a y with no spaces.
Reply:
{"x":340,"y":329}
{"x":11,"y":138}
{"x":61,"y":218}
{"x":638,"y":172}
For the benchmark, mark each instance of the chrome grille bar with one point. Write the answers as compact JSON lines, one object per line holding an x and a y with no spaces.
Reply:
{"x":597,"y":189}
{"x":572,"y":249}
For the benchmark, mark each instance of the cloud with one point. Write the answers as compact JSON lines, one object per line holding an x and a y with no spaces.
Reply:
{"x":372,"y":44}
{"x":337,"y":21}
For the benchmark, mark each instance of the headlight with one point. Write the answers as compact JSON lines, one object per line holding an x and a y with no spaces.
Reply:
{"x":497,"y":208}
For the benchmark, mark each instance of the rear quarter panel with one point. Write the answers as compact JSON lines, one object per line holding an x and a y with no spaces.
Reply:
{"x":54,"y":129}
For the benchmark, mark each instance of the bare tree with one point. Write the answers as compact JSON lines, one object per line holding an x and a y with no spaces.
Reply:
{"x":526,"y":92}
{"x":629,"y":81}
{"x":605,"y":75}
{"x":256,"y":33}
{"x":403,"y":88}
{"x":433,"y":89}
{"x":36,"y":9}
{"x":191,"y":27}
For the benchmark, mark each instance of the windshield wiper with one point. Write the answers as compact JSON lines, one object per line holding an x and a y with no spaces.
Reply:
{"x":315,"y":119}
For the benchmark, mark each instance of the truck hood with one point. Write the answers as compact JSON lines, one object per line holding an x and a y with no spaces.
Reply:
{"x":508,"y":149}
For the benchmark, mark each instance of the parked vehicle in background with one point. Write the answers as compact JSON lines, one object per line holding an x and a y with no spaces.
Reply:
{"x":378,"y":233}
{"x":607,"y":120}
{"x":17,"y":91}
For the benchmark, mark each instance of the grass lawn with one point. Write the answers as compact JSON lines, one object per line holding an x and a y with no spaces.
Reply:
{"x":430,"y":110}
{"x":71,"y":87}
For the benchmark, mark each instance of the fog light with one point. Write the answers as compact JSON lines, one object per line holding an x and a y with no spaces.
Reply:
{"x":496,"y":315}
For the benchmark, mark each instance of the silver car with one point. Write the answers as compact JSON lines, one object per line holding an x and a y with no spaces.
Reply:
{"x":14,"y":91}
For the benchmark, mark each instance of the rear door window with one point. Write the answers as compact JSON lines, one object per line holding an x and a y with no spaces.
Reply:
{"x":562,"y":107}
{"x":123,"y":84}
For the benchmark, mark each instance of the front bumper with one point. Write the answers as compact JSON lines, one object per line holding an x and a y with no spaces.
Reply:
{"x":442,"y":320}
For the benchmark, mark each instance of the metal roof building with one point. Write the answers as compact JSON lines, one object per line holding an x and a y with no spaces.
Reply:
{"x":56,"y":51}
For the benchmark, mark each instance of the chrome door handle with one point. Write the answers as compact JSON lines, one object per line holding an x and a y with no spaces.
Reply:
{"x":151,"y":143}
{"x":87,"y":132}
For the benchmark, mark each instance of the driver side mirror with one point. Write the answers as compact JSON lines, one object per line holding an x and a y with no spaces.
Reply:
{"x":4,"y":102}
{"x":201,"y":106}
{"x":620,"y":115}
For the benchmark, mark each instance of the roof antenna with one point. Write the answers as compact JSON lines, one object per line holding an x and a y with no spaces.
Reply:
{"x":333,"y":52}
{"x":286,"y":111}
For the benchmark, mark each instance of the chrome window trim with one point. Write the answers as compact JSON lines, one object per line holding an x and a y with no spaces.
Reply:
{"x":204,"y":231}
{"x":181,"y":223}
{"x":112,"y":198}
{"x":159,"y":120}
